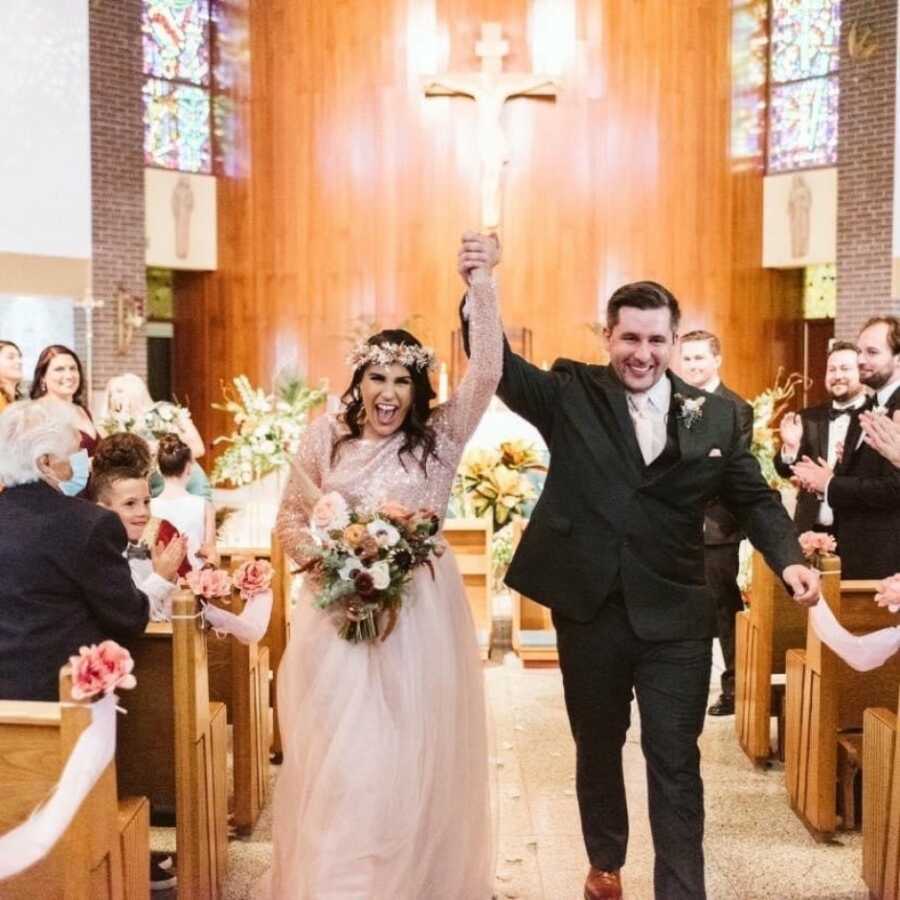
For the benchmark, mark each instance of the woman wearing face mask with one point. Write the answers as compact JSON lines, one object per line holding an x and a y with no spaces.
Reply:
{"x":10,"y":373}
{"x":64,"y":578}
{"x":384,"y":787}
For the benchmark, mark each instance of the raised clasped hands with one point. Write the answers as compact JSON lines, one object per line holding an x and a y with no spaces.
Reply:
{"x":477,"y":257}
{"x":813,"y":476}
{"x":803,"y":583}
{"x":791,"y":431}
{"x":883,"y":434}
{"x":167,"y":558}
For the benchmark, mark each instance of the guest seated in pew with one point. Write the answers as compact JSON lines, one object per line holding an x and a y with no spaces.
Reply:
{"x":64,"y":581}
{"x":192,"y":515}
{"x":156,"y":551}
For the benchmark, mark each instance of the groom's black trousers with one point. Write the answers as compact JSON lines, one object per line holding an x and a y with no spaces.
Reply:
{"x":602,"y":662}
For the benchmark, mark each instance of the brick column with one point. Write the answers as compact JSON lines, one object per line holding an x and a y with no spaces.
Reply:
{"x":866,"y":167}
{"x":117,"y":180}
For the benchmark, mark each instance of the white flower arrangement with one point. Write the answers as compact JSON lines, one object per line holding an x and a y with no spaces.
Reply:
{"x":162,"y":418}
{"x":267,"y":427}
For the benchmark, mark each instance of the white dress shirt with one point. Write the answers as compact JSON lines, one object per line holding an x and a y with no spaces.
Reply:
{"x":158,"y":590}
{"x":649,"y":411}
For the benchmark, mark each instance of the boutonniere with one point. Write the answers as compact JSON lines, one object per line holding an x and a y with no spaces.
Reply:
{"x":690,"y":410}
{"x":879,"y":410}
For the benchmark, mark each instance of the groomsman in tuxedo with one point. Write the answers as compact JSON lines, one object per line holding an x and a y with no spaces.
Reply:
{"x":862,"y":487}
{"x":615,"y":548}
{"x":701,"y":360}
{"x":820,"y":432}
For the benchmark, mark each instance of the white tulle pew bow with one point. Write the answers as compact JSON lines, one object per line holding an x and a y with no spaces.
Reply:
{"x":860,"y":651}
{"x":248,"y":626}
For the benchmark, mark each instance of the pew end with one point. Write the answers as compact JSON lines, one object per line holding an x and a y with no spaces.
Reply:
{"x":105,"y":852}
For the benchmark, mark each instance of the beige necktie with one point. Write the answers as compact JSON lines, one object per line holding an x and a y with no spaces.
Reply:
{"x":643,"y":425}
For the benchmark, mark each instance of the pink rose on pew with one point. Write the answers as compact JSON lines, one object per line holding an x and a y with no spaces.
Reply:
{"x":331,"y":512}
{"x":815,"y":544}
{"x":889,"y":593}
{"x":209,"y":583}
{"x":101,"y":669}
{"x":253,"y":577}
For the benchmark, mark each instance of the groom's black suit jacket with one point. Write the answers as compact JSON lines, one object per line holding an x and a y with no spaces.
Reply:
{"x":607,"y":523}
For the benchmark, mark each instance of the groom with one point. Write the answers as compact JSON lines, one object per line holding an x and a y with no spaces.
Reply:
{"x":615,"y":549}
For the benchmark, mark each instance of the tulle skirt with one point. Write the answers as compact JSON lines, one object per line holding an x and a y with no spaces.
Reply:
{"x":383,"y":792}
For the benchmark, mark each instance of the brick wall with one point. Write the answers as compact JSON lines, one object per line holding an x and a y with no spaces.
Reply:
{"x":866,"y":167}
{"x":117,"y":180}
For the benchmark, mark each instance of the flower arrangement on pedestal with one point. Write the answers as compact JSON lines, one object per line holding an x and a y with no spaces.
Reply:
{"x":162,"y":418}
{"x":497,"y":481}
{"x":768,"y":408}
{"x":267,"y":427}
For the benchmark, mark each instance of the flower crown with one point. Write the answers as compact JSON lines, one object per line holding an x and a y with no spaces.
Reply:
{"x":413,"y":357}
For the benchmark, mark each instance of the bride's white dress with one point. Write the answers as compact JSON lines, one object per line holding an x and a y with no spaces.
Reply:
{"x":383,"y":793}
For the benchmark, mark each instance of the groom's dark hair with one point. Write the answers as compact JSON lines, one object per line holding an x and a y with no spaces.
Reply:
{"x":642,"y":295}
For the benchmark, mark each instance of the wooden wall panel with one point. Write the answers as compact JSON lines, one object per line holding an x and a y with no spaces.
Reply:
{"x":358,"y":188}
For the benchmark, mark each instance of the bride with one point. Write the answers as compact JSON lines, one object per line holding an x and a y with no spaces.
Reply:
{"x":383,"y":793}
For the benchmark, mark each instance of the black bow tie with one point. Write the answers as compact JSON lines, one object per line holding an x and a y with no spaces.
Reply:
{"x":137,"y":551}
{"x":835,"y":413}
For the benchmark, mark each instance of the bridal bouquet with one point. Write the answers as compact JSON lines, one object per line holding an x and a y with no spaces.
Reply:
{"x":362,"y":562}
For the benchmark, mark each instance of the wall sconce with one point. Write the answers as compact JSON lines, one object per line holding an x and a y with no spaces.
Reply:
{"x":129,"y":318}
{"x":861,"y":42}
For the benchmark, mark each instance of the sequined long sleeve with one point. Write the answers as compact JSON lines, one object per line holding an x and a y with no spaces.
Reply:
{"x":469,"y":402}
{"x":293,"y":514}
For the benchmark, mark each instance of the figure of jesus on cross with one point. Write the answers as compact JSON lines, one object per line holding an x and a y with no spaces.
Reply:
{"x":490,"y":89}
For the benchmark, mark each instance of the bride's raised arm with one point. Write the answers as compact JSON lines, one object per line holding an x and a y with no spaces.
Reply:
{"x":303,"y":490}
{"x":468,"y":403}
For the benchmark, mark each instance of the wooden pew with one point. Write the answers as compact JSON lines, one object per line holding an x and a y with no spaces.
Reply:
{"x":470,"y":540}
{"x":173,"y":746}
{"x":239,"y":678}
{"x":533,"y":634}
{"x":279,"y":630}
{"x":826,"y":699}
{"x":881,"y":802}
{"x":105,"y":852}
{"x":764,"y":633}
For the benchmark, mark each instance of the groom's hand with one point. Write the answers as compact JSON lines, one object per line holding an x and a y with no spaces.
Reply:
{"x":804,"y":584}
{"x":478,"y":254}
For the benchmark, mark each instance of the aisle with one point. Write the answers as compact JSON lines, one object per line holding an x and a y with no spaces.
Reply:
{"x":756,"y":848}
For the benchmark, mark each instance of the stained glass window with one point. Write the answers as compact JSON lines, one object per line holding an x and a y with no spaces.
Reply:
{"x":176,"y":40}
{"x":749,"y":63}
{"x":176,"y":126}
{"x":805,"y":38}
{"x":803,"y":124}
{"x":803,"y":93}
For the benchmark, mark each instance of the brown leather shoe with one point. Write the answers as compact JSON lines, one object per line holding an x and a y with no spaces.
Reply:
{"x":602,"y":885}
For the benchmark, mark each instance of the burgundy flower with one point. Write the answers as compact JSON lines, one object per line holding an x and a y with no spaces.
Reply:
{"x":365,"y":584}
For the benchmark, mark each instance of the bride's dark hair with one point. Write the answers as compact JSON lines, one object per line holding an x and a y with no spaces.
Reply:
{"x":420,"y":440}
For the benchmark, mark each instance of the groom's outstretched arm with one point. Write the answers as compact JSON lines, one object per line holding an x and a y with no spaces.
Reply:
{"x":526,"y":389}
{"x":758,"y":508}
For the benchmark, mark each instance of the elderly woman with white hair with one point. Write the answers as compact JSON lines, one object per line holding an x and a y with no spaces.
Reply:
{"x":64,"y":579}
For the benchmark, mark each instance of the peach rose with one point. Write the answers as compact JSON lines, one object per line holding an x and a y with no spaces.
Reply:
{"x":101,"y":669}
{"x":330,"y":512}
{"x":209,"y":583}
{"x":253,"y":577}
{"x":354,"y":534}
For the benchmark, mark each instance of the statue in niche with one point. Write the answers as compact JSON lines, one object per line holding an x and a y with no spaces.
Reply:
{"x":799,"y":204}
{"x":182,"y":207}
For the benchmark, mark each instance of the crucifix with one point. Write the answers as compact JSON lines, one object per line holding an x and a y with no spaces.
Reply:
{"x":490,"y":89}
